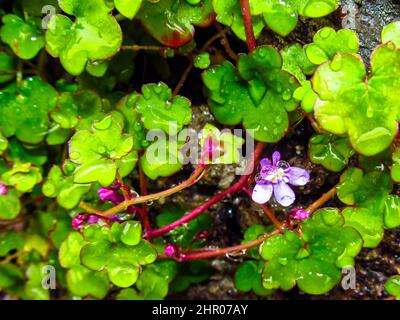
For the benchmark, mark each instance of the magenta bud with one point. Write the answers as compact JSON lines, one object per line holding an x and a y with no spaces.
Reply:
{"x":110,"y":195}
{"x":299,"y":214}
{"x":170,"y":250}
{"x":3,"y":189}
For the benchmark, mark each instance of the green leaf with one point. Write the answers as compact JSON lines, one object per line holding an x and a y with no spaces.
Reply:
{"x":391,"y":215}
{"x":133,"y":125}
{"x":37,"y":155}
{"x":93,"y":36}
{"x":10,"y":275}
{"x":374,"y":207}
{"x":3,"y":144}
{"x":10,"y":205}
{"x":296,"y":62}
{"x":264,"y":89}
{"x":63,"y":188}
{"x":162,"y":111}
{"x":395,"y":170}
{"x":25,"y":38}
{"x":81,"y":281}
{"x":314,"y":261}
{"x":102,"y":151}
{"x":69,"y":254}
{"x":183,"y":235}
{"x":23,"y":177}
{"x":162,"y":158}
{"x":328,"y":42}
{"x":78,"y":109}
{"x":7,"y":65}
{"x":25,"y":113}
{"x":248,"y":277}
{"x":391,"y":33}
{"x":202,"y":60}
{"x":9,"y":241}
{"x":392,"y":286}
{"x":330,"y":151}
{"x":360,"y":189}
{"x":191,"y":272}
{"x":350,"y":103}
{"x":122,"y":262}
{"x":280,"y":16}
{"x":129,"y":233}
{"x":253,"y":233}
{"x":33,"y":287}
{"x":128,"y":8}
{"x":368,"y":222}
{"x":172,"y":23}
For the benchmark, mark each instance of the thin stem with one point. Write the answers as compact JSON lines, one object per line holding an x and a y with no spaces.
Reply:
{"x":313,"y":122}
{"x":145,"y":48}
{"x":238,"y":186}
{"x":320,"y":202}
{"x":248,"y":25}
{"x":271,"y":216}
{"x":125,"y":189}
{"x":225,"y":43}
{"x":88,"y":208}
{"x":203,"y":254}
{"x":190,"y":67}
{"x":125,"y":204}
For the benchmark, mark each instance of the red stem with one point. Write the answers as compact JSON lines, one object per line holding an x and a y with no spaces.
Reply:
{"x":248,"y":25}
{"x":202,"y":254}
{"x":267,"y":210}
{"x":238,"y":186}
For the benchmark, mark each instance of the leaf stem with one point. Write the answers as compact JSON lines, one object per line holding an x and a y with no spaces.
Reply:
{"x":319,"y":202}
{"x":197,"y":174}
{"x":267,"y":210}
{"x":212,"y":252}
{"x":190,"y":67}
{"x":248,"y":25}
{"x":238,"y":186}
{"x":145,"y":48}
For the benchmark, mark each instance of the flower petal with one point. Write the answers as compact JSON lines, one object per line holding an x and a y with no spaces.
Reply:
{"x":262,"y":193}
{"x":276,"y":156}
{"x":284,"y":195}
{"x":298,"y":176}
{"x":265,"y":164}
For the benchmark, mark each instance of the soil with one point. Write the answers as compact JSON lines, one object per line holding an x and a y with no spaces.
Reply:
{"x":232,"y":216}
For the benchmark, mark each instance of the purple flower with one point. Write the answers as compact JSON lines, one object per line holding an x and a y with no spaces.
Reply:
{"x":299,"y":214}
{"x":275,"y":177}
{"x":3,"y":189}
{"x":170,"y":250}
{"x":114,"y":196}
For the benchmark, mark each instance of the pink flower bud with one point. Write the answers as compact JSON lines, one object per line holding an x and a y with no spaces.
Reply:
{"x":3,"y":189}
{"x":299,"y":214}
{"x":170,"y":250}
